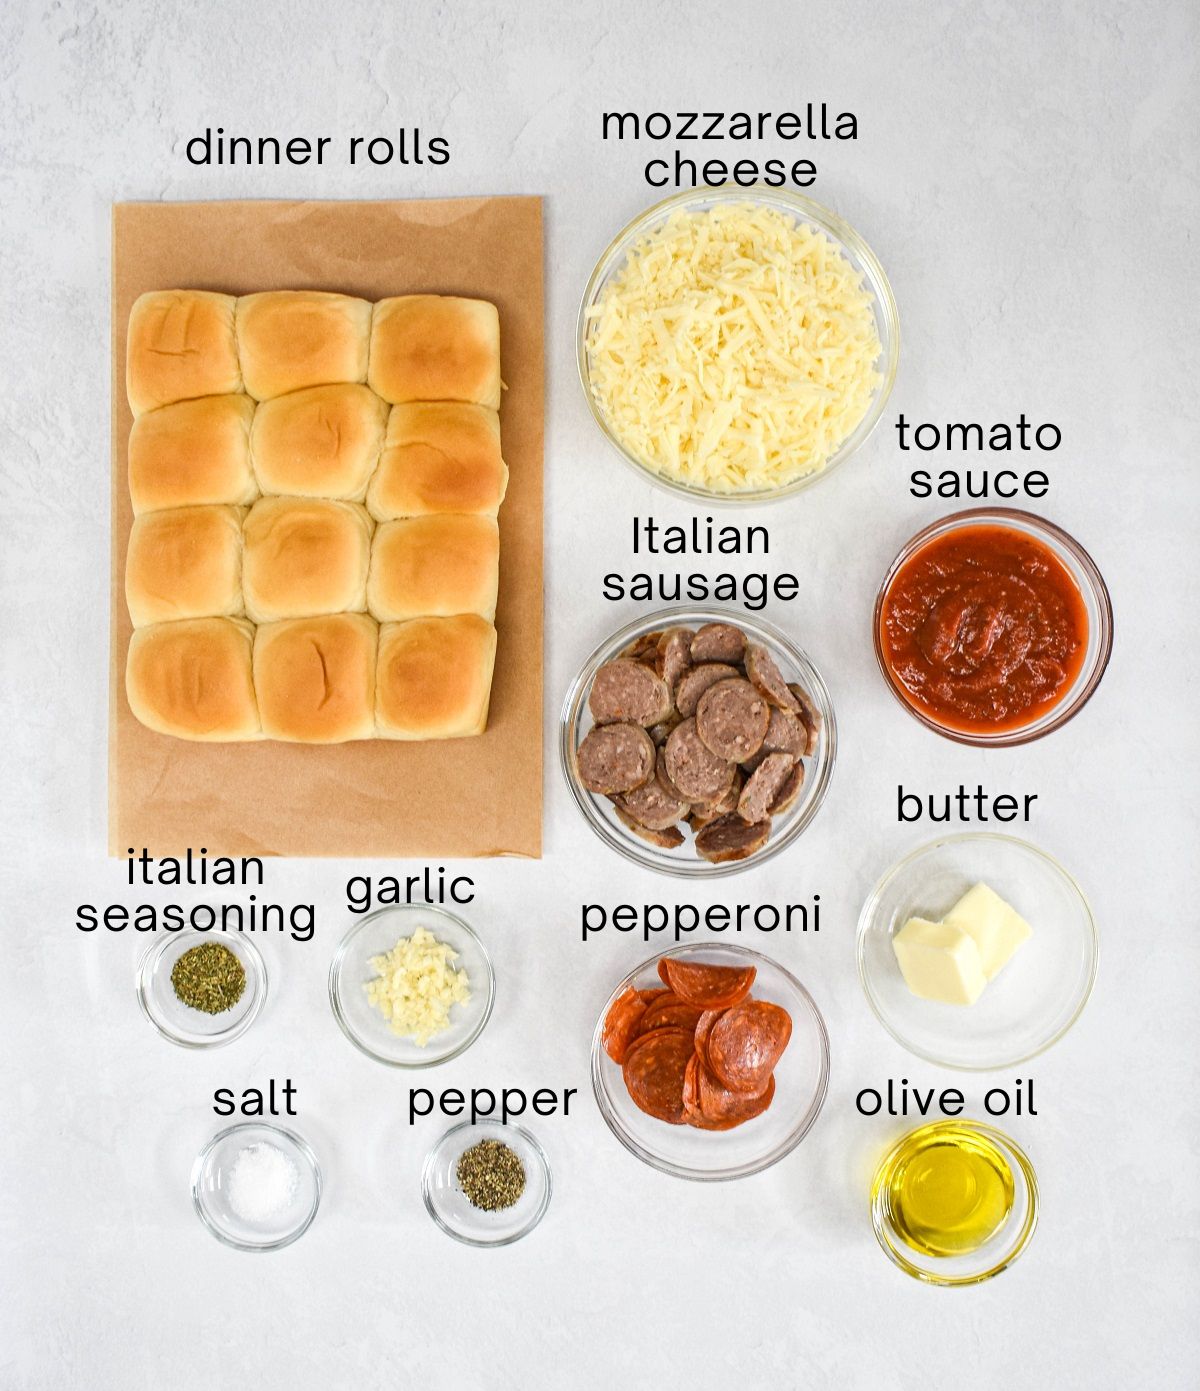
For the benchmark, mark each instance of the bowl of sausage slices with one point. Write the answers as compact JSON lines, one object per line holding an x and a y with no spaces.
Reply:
{"x":710,"y":1063}
{"x":698,"y":743}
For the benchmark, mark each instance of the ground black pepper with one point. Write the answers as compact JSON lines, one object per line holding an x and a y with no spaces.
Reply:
{"x":491,"y":1175}
{"x":209,"y":978}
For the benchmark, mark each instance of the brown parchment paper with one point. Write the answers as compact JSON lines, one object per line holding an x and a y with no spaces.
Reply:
{"x":460,"y":797}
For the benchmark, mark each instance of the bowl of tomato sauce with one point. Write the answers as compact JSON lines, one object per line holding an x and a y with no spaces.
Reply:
{"x":993,"y":626}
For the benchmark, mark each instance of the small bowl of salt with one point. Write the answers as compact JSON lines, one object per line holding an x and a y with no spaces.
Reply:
{"x":256,"y":1187}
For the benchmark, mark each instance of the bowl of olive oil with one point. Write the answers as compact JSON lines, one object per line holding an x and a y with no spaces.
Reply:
{"x":954,"y":1202}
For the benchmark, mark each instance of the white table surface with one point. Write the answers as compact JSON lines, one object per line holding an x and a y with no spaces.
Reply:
{"x":1026,"y":174}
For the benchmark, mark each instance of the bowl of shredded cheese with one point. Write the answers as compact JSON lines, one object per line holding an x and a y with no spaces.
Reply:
{"x":411,"y":985}
{"x":737,"y":344}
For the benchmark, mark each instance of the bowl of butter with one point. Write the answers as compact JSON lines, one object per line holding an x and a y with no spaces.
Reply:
{"x":977,"y":951}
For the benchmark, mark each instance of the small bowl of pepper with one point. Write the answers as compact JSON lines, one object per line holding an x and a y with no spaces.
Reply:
{"x":199,"y":992}
{"x":993,"y":627}
{"x":487,"y":1183}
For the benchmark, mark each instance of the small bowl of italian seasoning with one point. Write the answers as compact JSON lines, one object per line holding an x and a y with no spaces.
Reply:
{"x":486,"y":1183}
{"x":200,"y":991}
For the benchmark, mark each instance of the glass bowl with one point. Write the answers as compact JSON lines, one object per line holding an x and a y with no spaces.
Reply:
{"x":801,"y":1081}
{"x":180,"y":1023}
{"x":683,"y":861}
{"x":1082,"y":569}
{"x":1038,"y":995}
{"x":450,"y":1207}
{"x":351,"y":969}
{"x":211,"y":1184}
{"x":997,"y":1253}
{"x":801,"y":209}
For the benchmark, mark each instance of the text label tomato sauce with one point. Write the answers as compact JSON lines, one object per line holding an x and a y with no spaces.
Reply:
{"x":984,"y":629}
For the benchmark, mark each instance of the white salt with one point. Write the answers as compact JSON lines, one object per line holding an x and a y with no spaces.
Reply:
{"x":262,"y":1182}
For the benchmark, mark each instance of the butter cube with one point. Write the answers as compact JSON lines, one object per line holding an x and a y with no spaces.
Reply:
{"x":998,"y":930}
{"x":939,"y":962}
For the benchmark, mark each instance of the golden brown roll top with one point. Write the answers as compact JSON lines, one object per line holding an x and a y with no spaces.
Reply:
{"x":193,"y":679}
{"x":191,"y":454}
{"x":434,"y":678}
{"x":181,"y":345}
{"x":303,"y":557}
{"x":439,"y":457}
{"x":321,"y":442}
{"x":184,"y":563}
{"x":435,"y":348}
{"x":315,"y":678}
{"x":291,"y":339}
{"x":439,"y":566}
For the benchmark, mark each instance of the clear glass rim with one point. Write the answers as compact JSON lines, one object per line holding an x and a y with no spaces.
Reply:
{"x":307,"y":1153}
{"x":785,"y":1146}
{"x":1084,"y":571}
{"x":427,"y":1182}
{"x":866,"y":915}
{"x":894,"y":1249}
{"x":144,"y":972}
{"x":826,"y":220}
{"x":694,"y":869}
{"x":339,"y":960}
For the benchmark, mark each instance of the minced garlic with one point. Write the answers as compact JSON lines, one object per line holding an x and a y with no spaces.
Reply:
{"x":415,"y":986}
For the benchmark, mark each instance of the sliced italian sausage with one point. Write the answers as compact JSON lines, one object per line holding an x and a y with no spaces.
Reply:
{"x":695,"y":682}
{"x":668,"y":838}
{"x":625,"y":689}
{"x":761,"y":669}
{"x":674,"y":655}
{"x":615,"y":758}
{"x":730,"y":838}
{"x":763,"y":787}
{"x":644,"y":648}
{"x":786,"y":733}
{"x":732,"y":719}
{"x":809,"y":714}
{"x":718,"y":642}
{"x":788,"y":794}
{"x":663,"y":728}
{"x":693,"y":767}
{"x":655,"y":805}
{"x":660,"y":772}
{"x":705,"y":812}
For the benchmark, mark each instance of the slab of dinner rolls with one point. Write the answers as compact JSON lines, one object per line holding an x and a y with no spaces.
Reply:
{"x":434,"y":565}
{"x":439,"y":457}
{"x":304,"y":556}
{"x":181,"y":345}
{"x":184,"y":563}
{"x":435,"y":348}
{"x":290,"y":339}
{"x":315,"y":678}
{"x":324,"y":441}
{"x":434,"y":677}
{"x":192,"y":453}
{"x":193,"y":679}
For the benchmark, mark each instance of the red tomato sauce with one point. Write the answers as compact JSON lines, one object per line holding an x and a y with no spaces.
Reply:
{"x":983,"y":629}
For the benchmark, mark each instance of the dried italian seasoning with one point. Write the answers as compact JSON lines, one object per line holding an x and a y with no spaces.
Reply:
{"x":491,"y":1175}
{"x":209,"y":978}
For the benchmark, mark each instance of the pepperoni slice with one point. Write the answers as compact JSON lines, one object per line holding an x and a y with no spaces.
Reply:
{"x":703,"y":1028}
{"x":718,"y":1108}
{"x":745,"y":1044}
{"x":710,"y":987}
{"x":654,"y":1071}
{"x":691,"y":1090}
{"x":621,"y":1024}
{"x":670,"y":1012}
{"x":649,"y":996}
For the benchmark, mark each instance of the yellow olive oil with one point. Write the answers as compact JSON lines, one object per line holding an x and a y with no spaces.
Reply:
{"x":949,"y":1188}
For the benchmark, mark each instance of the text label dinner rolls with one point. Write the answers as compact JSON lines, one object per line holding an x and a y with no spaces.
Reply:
{"x":315,"y":484}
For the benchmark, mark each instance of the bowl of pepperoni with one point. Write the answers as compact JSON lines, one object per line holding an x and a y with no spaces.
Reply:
{"x":710,"y":1063}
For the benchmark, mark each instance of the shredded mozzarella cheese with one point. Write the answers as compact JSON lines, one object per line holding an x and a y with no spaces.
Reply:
{"x":735,"y":349}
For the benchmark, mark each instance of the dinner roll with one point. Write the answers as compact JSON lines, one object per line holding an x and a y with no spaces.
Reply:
{"x":304,"y":556}
{"x":434,"y":677}
{"x":192,"y":679}
{"x":434,"y":565}
{"x":324,"y":441}
{"x":315,"y":678}
{"x":191,"y":454}
{"x":290,"y":339}
{"x":436,"y":348}
{"x":184,"y":563}
{"x":439,"y":458}
{"x":181,"y":345}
